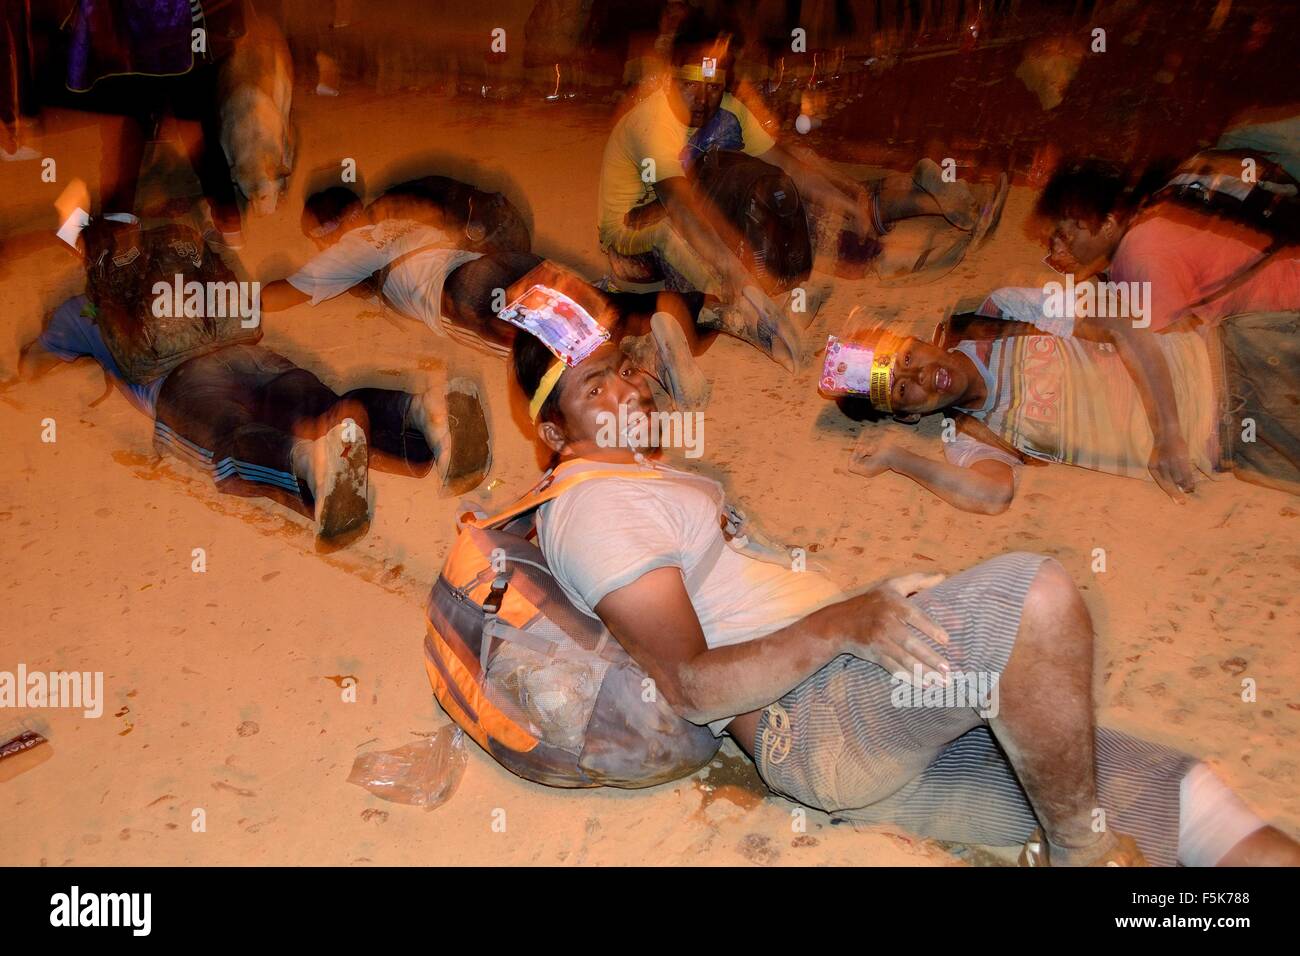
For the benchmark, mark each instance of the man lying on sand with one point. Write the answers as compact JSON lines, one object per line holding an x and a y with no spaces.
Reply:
{"x":262,"y":426}
{"x":645,"y":170}
{"x":800,"y":674}
{"x":423,"y":272}
{"x":1233,"y":395}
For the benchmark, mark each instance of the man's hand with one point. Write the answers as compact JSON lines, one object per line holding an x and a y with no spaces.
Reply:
{"x":1171,"y":467}
{"x":877,"y":626}
{"x":873,"y":455}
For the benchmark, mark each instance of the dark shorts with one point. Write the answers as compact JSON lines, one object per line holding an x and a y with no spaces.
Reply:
{"x":237,"y":412}
{"x":1260,"y":367}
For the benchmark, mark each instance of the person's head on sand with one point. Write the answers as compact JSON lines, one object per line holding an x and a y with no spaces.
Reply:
{"x":1087,"y":208}
{"x":702,"y":64}
{"x":575,"y":410}
{"x":328,"y":214}
{"x":912,"y":378}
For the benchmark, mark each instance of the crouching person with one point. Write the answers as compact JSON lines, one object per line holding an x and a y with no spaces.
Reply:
{"x":799,"y":673}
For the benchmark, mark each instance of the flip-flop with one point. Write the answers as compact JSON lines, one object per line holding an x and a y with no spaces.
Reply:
{"x":1125,"y":852}
{"x":927,"y":175}
{"x":784,"y":340}
{"x":780,"y":340}
{"x":666,"y":355}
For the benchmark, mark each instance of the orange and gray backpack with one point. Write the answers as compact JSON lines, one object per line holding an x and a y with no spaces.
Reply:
{"x":539,"y":684}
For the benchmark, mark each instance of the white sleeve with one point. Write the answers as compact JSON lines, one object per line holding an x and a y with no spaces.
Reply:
{"x":1028,"y":305}
{"x":339,"y":268}
{"x":605,"y":534}
{"x":965,"y":451}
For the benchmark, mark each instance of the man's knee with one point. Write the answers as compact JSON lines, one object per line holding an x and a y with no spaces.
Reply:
{"x":1054,"y":602}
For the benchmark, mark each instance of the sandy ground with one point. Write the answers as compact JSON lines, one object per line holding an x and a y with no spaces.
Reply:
{"x":222,"y":687}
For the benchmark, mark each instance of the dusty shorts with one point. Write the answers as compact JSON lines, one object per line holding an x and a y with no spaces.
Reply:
{"x":1260,"y":378}
{"x":838,"y":742}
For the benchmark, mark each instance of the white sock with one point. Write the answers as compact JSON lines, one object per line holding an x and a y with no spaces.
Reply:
{"x":1211,"y":818}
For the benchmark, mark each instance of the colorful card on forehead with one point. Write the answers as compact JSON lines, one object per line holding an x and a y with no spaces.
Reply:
{"x":564,"y":327}
{"x":847,"y":370}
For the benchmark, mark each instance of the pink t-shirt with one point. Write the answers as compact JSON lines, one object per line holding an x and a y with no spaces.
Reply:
{"x":1185,"y":255}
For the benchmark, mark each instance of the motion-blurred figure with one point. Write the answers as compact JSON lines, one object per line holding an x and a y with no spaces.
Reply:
{"x":18,"y":104}
{"x":142,"y":59}
{"x":255,"y":92}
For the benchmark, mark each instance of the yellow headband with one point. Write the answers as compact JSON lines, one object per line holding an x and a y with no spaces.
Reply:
{"x":544,"y":389}
{"x":696,"y":72}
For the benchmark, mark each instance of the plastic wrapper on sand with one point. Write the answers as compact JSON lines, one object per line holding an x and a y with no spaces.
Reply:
{"x":423,"y":774}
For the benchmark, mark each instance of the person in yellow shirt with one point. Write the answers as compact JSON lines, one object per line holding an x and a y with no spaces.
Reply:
{"x":644,"y":170}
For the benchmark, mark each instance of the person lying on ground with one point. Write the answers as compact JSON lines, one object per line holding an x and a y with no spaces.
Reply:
{"x":257,"y":423}
{"x":1031,"y":397}
{"x":419,"y":269}
{"x":644,"y":173}
{"x":260,"y":426}
{"x":825,"y":691}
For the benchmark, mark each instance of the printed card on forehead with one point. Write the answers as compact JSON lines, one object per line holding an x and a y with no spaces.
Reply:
{"x":847,"y":370}
{"x":563,"y":326}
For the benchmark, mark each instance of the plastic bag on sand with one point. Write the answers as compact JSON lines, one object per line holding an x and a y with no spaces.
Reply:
{"x":423,"y":774}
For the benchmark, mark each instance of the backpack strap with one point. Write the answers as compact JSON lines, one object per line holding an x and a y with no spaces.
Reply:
{"x":557,"y":481}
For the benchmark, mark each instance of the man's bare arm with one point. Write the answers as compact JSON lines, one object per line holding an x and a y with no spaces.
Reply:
{"x":280,"y":295}
{"x":986,"y":487}
{"x":1146,"y":364}
{"x":702,"y":684}
{"x":678,"y":198}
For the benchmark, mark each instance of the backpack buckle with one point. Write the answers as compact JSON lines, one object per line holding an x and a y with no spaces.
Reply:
{"x":492,"y":603}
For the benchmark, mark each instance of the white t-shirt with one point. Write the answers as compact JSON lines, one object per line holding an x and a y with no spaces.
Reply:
{"x":414,"y":288}
{"x":965,"y":450}
{"x":606,"y":533}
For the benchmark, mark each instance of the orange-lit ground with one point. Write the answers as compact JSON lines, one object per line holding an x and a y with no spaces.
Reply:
{"x":217,"y":685}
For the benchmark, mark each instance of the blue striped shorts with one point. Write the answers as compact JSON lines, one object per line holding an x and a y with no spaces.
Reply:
{"x":838,"y":742}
